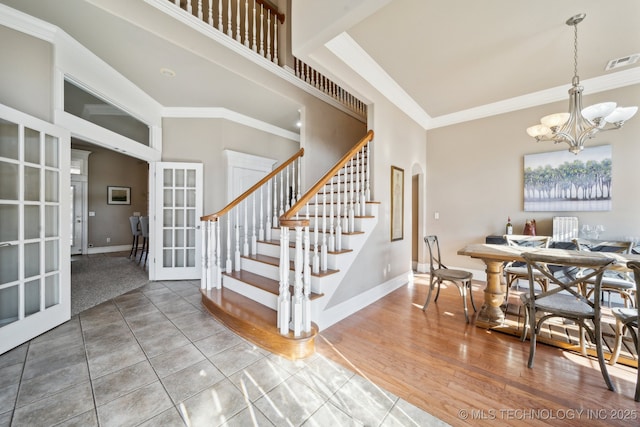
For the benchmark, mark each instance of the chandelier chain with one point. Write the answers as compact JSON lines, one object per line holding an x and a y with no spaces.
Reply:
{"x":575,"y":50}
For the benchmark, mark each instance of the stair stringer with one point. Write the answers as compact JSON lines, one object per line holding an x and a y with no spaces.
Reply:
{"x":329,"y":284}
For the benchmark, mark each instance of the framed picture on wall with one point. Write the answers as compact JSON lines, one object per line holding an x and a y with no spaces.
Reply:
{"x":563,"y":181}
{"x":118,"y":195}
{"x":397,"y":203}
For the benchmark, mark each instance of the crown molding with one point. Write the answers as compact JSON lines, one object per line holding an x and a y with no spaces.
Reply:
{"x":27,"y":24}
{"x":224,"y":113}
{"x":352,"y":54}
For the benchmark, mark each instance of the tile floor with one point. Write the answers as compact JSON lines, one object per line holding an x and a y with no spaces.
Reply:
{"x":154,"y":357}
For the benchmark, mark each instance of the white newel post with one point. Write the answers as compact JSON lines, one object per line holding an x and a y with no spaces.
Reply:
{"x":297,"y":309}
{"x":205,"y":278}
{"x":218,"y":269}
{"x":306,"y":301}
{"x":284,"y":297}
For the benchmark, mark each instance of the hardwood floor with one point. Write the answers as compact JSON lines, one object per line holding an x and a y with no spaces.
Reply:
{"x":467,"y":375}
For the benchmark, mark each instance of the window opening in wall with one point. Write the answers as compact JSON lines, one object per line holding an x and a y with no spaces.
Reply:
{"x":83,"y":104}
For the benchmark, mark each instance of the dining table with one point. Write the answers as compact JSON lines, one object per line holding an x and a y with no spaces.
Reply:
{"x":495,"y":256}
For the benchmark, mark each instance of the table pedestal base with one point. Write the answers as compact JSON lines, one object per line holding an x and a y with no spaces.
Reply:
{"x":491,"y":313}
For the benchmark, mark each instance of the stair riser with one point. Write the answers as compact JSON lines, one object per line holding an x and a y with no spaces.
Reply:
{"x":272,"y":272}
{"x":369,"y":209}
{"x":274,"y":251}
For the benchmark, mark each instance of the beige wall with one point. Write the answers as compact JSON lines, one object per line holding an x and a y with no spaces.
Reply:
{"x":110,"y":168}
{"x":203,"y":140}
{"x":25,"y":74}
{"x":398,"y":141}
{"x":475,"y":176}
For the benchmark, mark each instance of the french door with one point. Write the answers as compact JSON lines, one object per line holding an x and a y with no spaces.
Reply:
{"x":35,"y":290}
{"x":178,"y":208}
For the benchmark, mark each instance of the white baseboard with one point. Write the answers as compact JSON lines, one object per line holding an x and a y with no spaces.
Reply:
{"x":108,"y":249}
{"x":338,"y":312}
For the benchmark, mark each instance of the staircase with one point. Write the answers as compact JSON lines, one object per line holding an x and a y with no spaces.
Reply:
{"x":273,"y":259}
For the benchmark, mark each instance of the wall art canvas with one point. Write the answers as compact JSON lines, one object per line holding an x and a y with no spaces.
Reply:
{"x":563,"y":181}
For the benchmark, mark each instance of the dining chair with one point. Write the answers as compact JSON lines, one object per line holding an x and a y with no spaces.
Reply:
{"x":135,"y":232}
{"x":515,"y":271}
{"x":439,"y":273}
{"x":627,"y":319}
{"x":564,"y":299}
{"x":618,"y":282}
{"x":144,"y":230}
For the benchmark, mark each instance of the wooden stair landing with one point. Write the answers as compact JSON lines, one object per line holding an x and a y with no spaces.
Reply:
{"x":257,"y":323}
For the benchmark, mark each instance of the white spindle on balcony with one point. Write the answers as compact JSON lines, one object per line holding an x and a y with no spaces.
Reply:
{"x":254,"y":237}
{"x":261,"y":51}
{"x":220,"y":16}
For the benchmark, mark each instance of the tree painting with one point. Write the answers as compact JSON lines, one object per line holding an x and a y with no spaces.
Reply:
{"x":563,"y":181}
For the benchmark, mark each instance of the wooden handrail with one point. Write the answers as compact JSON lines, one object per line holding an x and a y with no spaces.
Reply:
{"x":287,"y":217}
{"x":272,"y":8}
{"x":240,"y":198}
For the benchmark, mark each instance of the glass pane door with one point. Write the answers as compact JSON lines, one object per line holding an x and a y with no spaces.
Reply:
{"x":34,"y":287}
{"x":178,"y":212}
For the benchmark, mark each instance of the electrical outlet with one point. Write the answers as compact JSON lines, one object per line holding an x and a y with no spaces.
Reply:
{"x":108,"y":239}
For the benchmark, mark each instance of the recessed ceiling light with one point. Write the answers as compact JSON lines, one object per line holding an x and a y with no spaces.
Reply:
{"x":167,"y":72}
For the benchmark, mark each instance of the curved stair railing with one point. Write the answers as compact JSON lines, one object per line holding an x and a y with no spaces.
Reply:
{"x":350,"y":179}
{"x":240,"y":227}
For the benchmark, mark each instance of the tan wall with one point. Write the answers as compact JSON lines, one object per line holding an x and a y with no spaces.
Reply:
{"x":475,"y":176}
{"x":110,"y":168}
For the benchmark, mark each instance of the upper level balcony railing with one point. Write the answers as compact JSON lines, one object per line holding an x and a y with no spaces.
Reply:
{"x":259,"y":25}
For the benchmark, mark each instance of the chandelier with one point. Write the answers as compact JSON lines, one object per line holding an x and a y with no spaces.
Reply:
{"x":579,"y":124}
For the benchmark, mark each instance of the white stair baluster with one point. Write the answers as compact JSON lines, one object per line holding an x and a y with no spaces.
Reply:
{"x":245,"y":246}
{"x":345,"y":220}
{"x":316,"y":243}
{"x":352,"y":220}
{"x":299,"y":178}
{"x":189,"y":7}
{"x":293,"y":184}
{"x":229,"y":264}
{"x":281,"y":193}
{"x":254,"y":238}
{"x":268,"y":202}
{"x":261,"y":230}
{"x":275,"y":201}
{"x":306,"y":301}
{"x":323,"y":253}
{"x":367,"y":191}
{"x":284,"y":298}
{"x":332,"y":237}
{"x":296,"y":305}
{"x":218,"y":226}
{"x":338,"y":218}
{"x":220,"y":28}
{"x":363,"y":197}
{"x":357,"y":185}
{"x":210,"y":12}
{"x":236,"y":267}
{"x":286,"y":192}
{"x":199,"y":9}
{"x":206,"y":252}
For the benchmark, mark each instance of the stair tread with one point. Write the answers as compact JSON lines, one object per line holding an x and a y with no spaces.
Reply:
{"x":275,"y":242}
{"x":261,"y":282}
{"x":276,"y":262}
{"x":257,"y":323}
